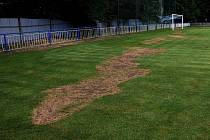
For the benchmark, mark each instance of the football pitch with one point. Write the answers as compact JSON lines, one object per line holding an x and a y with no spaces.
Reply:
{"x":170,"y":99}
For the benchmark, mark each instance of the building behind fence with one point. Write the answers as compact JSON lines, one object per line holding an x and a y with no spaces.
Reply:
{"x":30,"y":40}
{"x":23,"y":25}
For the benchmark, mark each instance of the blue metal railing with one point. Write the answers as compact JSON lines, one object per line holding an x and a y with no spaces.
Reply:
{"x":11,"y":42}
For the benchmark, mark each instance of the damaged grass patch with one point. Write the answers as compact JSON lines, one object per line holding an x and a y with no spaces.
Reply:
{"x":66,"y":100}
{"x":154,"y":41}
{"x":178,"y":34}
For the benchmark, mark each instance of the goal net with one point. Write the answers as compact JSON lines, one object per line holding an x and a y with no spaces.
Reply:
{"x":177,"y":21}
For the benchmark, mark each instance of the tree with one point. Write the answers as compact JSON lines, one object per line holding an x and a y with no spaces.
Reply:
{"x":87,"y":12}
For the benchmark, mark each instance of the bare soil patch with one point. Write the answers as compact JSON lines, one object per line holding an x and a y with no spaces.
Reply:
{"x":176,"y":36}
{"x":154,"y":41}
{"x":66,"y":100}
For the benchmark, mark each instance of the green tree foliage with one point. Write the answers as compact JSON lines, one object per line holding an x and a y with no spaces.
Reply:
{"x":190,"y":9}
{"x":87,"y":12}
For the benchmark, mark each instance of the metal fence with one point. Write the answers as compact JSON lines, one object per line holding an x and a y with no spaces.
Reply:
{"x":29,"y":40}
{"x":206,"y":24}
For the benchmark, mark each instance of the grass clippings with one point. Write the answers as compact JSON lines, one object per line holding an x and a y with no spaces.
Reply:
{"x":66,"y":100}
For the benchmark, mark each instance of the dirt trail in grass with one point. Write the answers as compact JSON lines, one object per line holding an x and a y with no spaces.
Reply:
{"x":154,"y":41}
{"x":66,"y":100}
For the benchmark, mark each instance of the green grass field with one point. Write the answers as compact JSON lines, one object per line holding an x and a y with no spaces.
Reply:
{"x":173,"y":102}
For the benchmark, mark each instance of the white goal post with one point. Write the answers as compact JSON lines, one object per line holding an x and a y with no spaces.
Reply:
{"x":175,"y":16}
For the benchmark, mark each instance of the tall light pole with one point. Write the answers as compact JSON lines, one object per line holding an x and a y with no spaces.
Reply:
{"x":118,"y":12}
{"x":161,"y":8}
{"x":137,"y":11}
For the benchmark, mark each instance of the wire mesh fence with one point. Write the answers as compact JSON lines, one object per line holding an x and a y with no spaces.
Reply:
{"x":12,"y":42}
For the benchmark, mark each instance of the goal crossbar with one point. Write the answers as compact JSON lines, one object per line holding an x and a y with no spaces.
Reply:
{"x":174,"y":16}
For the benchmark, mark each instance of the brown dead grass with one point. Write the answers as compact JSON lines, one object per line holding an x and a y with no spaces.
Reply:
{"x":154,"y":41}
{"x":177,"y":36}
{"x":66,"y":100}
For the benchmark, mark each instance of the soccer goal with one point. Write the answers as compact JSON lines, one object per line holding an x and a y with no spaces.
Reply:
{"x":176,"y":17}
